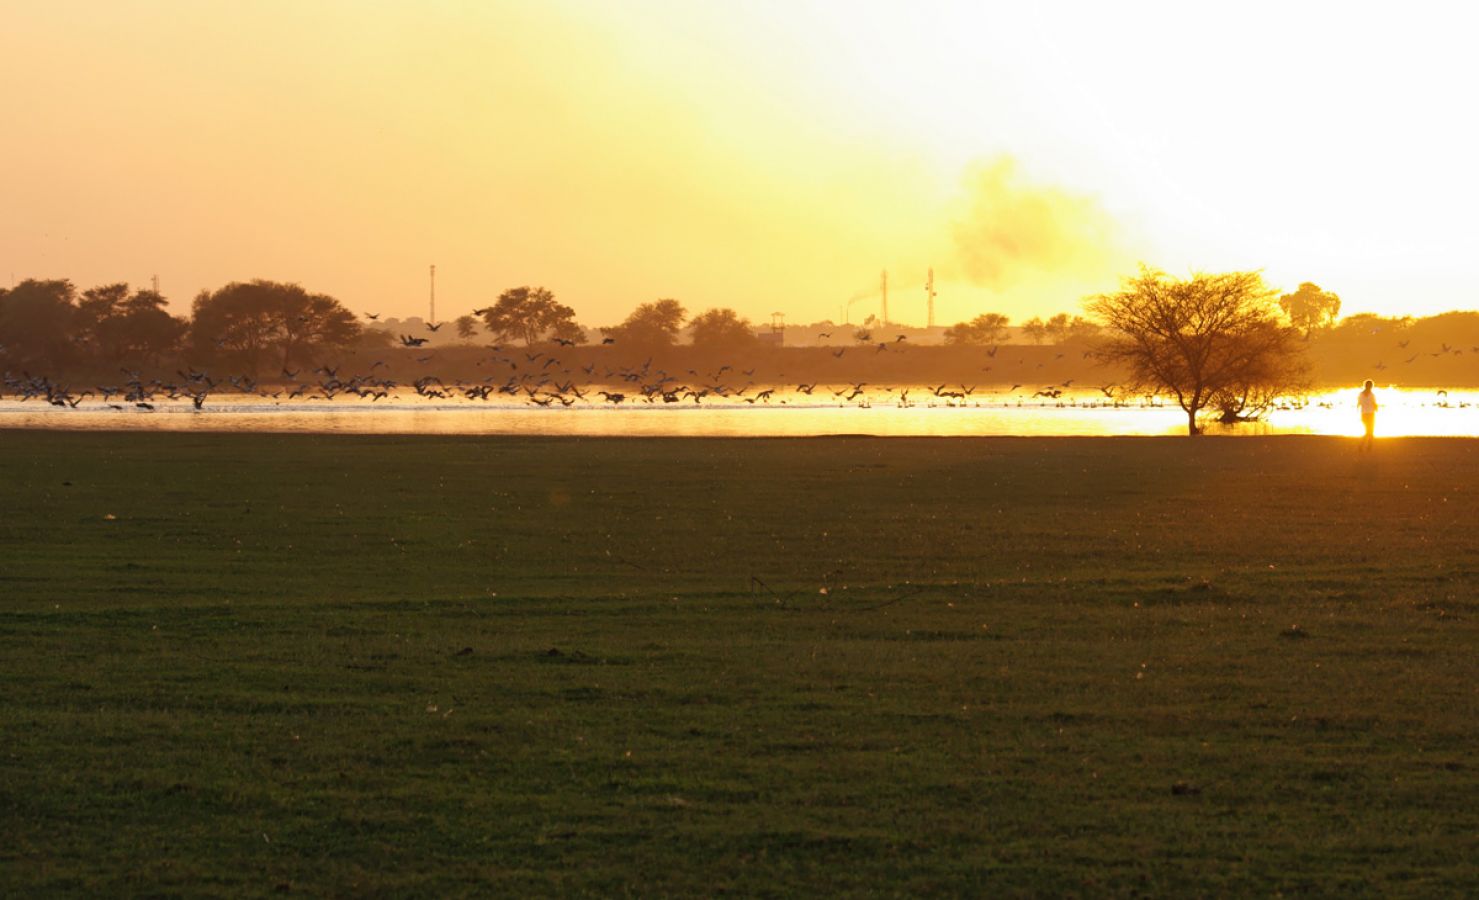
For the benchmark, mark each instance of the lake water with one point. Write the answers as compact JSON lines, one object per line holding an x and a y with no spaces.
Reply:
{"x":1410,"y":412}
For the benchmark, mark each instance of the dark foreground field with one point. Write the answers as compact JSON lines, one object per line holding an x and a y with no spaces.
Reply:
{"x":432,"y":666}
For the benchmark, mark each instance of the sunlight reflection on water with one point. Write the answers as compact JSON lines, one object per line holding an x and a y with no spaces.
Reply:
{"x":1412,"y":412}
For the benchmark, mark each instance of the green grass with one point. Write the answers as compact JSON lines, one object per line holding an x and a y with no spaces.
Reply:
{"x":436,"y":666}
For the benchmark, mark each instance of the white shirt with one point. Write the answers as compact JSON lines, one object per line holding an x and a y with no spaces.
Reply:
{"x":1367,"y":402}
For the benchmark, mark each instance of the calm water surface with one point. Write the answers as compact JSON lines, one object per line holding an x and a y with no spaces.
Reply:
{"x":1412,"y":412}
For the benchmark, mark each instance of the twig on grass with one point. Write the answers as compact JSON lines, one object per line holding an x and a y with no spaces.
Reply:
{"x":918,"y":589}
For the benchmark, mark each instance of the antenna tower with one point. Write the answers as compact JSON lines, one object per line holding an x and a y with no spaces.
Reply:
{"x":883,"y":286}
{"x":154,"y":280}
{"x":929,"y":293}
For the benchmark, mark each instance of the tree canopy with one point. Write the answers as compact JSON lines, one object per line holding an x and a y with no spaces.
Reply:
{"x":1063,"y":327}
{"x":36,"y":320}
{"x":1035,"y":329}
{"x":987,"y":328}
{"x":1208,"y":340}
{"x":1310,"y":308}
{"x":123,"y":325}
{"x":654,"y":324}
{"x":251,"y":319}
{"x":722,"y":329}
{"x":528,"y":314}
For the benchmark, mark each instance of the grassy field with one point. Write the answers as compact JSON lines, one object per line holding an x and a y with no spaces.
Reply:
{"x":249,"y":664}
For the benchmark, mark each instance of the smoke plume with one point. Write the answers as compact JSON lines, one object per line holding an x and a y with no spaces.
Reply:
{"x":1013,"y":230}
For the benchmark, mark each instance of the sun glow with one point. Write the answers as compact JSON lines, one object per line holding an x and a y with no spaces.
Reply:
{"x":758,"y":155}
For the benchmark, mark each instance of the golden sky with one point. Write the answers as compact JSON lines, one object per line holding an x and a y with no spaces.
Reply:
{"x":760,"y":154}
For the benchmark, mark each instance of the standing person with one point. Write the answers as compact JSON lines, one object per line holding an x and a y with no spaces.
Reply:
{"x":1367,"y":402}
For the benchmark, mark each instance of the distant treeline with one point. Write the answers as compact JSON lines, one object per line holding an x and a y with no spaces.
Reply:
{"x":268,"y":329}
{"x":50,"y":326}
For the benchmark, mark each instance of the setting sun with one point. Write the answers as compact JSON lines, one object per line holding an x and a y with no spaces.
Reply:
{"x":760,"y":155}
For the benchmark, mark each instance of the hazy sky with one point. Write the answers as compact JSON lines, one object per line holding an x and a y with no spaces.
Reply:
{"x":761,"y":154}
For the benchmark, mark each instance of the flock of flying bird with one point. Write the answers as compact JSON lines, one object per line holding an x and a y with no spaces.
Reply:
{"x":539,"y":378}
{"x":1444,"y":350}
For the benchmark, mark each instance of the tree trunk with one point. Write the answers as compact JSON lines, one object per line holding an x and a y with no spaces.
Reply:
{"x":1191,"y":422}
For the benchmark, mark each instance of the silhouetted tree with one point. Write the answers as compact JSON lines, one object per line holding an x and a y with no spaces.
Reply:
{"x":653,"y":324}
{"x":987,"y":328}
{"x":313,"y":323}
{"x":1062,"y":327}
{"x":36,"y":323}
{"x":722,"y":329}
{"x":568,"y":330}
{"x":1265,"y":378}
{"x":236,"y":320}
{"x":252,"y":319}
{"x":122,"y":325}
{"x":1198,"y":340}
{"x":1035,"y":329}
{"x":467,"y":327}
{"x":1310,"y":308}
{"x":527,"y":314}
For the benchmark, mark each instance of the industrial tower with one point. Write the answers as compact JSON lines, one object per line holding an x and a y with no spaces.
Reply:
{"x":929,"y":294}
{"x":883,"y":285}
